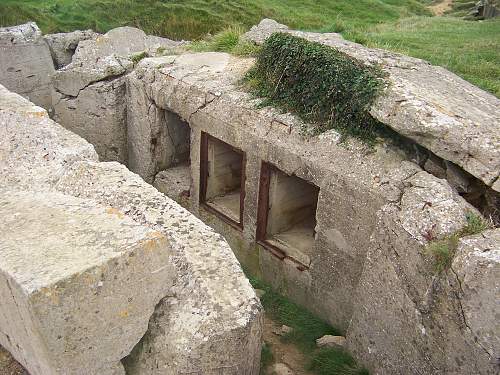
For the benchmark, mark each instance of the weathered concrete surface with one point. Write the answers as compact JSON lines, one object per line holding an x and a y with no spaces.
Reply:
{"x":203,"y":89}
{"x":63,"y":45}
{"x":121,"y":41}
{"x":451,"y":117}
{"x":73,"y":78}
{"x":78,"y":282}
{"x":91,"y":93}
{"x":211,"y":324}
{"x":410,"y":320}
{"x":477,"y":268}
{"x":98,"y":113}
{"x":34,"y":150}
{"x":26,"y":65}
{"x":90,"y":101}
{"x":8,"y":365}
{"x":175,"y":183}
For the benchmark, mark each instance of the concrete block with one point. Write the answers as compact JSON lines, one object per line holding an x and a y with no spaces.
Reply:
{"x":26,"y":65}
{"x":34,"y":150}
{"x":78,"y":283}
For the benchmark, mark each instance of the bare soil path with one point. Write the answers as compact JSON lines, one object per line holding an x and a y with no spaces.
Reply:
{"x":441,"y":7}
{"x":283,"y":352}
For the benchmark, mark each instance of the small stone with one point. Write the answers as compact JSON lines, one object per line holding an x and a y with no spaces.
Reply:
{"x":260,"y":292}
{"x":281,"y":369}
{"x":329,"y":341}
{"x":283,"y":330}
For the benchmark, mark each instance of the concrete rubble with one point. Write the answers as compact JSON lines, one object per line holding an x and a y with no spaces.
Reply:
{"x":63,"y":45}
{"x":95,"y":74}
{"x":359,"y":258}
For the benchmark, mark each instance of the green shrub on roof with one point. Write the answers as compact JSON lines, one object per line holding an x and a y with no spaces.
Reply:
{"x":324,"y":86}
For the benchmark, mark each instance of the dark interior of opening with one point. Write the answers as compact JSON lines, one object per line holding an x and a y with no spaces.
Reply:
{"x":222,"y":178}
{"x":178,"y":141}
{"x":287,"y":212}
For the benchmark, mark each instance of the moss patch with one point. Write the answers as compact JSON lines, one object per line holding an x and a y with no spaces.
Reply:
{"x":321,"y":84}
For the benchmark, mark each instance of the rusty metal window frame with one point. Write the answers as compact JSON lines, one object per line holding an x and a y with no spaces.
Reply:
{"x":205,"y":138}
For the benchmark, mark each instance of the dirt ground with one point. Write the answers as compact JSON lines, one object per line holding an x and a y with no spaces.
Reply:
{"x":283,"y":352}
{"x":8,"y":365}
{"x":441,"y":7}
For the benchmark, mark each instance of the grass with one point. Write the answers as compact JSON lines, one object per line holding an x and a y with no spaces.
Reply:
{"x":193,"y":19}
{"x":266,"y":357}
{"x":228,"y":40}
{"x":470,"y":49}
{"x":306,"y":328}
{"x":444,"y":250}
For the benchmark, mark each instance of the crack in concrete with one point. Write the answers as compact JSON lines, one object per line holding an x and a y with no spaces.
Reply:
{"x":200,"y":108}
{"x":462,"y":313}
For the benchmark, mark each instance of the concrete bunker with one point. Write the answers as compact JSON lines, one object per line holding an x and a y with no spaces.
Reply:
{"x":386,"y":204}
{"x":222,"y":179}
{"x":286,"y":219}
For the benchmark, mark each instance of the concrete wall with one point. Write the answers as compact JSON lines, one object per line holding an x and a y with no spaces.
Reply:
{"x":332,"y":272}
{"x":347,"y":279}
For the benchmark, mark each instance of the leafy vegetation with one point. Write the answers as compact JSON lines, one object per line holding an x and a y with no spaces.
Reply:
{"x":323,"y":85}
{"x":443,"y":250}
{"x":470,"y":49}
{"x":306,"y":328}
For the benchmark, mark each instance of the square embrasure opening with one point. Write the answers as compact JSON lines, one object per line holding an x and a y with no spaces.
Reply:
{"x":287,"y":214}
{"x":222,"y":179}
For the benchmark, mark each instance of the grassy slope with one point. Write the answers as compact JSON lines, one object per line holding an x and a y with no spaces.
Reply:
{"x":470,"y":49}
{"x":194,"y":18}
